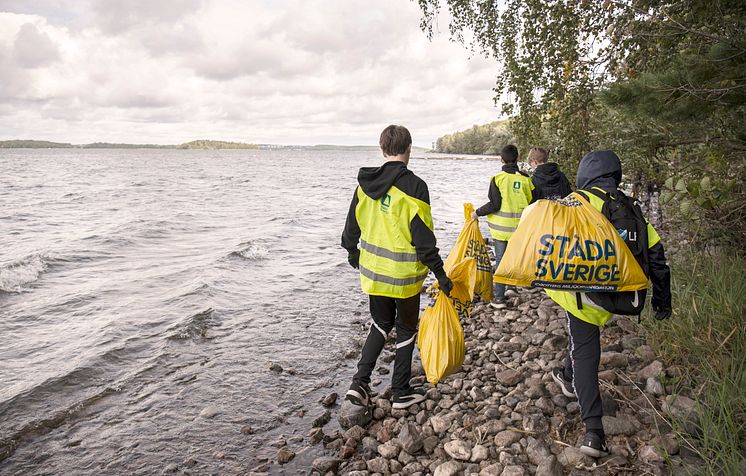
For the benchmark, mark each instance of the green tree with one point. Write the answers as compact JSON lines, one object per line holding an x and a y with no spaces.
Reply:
{"x":661,"y":82}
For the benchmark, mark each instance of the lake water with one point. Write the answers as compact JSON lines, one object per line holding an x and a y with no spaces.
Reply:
{"x":141,"y":287}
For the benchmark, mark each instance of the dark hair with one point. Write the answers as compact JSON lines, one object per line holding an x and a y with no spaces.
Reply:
{"x":395,"y":140}
{"x":509,"y":154}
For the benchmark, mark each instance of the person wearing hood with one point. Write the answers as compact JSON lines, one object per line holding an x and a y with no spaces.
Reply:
{"x":390,"y":218}
{"x":548,"y":179}
{"x":600,"y":171}
{"x":509,"y":193}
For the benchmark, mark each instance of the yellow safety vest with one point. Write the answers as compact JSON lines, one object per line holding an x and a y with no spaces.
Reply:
{"x":590,"y":312}
{"x":515,"y":191}
{"x":388,"y":260}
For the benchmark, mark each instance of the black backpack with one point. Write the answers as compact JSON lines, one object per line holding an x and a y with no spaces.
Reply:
{"x":625,"y":214}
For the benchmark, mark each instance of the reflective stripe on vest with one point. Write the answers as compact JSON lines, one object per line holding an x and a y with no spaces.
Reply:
{"x":515,"y":192}
{"x":389,"y":265}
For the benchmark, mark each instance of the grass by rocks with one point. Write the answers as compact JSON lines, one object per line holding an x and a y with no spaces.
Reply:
{"x":705,"y":341}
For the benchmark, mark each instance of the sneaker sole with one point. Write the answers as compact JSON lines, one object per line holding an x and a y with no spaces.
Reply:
{"x":498,"y":306}
{"x":593,"y":452}
{"x":409,"y":403}
{"x":561,"y":384}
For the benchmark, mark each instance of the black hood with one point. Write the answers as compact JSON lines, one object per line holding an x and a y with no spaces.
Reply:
{"x":375,"y":181}
{"x":548,"y":174}
{"x":600,"y":168}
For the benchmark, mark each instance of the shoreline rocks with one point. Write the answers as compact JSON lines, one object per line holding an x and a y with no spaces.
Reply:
{"x":502,"y":414}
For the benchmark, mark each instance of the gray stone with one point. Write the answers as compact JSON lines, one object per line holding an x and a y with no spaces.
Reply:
{"x":494,"y":469}
{"x":356,"y":432}
{"x":571,"y":456}
{"x":389,"y":450}
{"x":395,"y":466}
{"x":284,"y":455}
{"x":549,"y":467}
{"x":513,"y":470}
{"x":614,"y":360}
{"x":440,"y":423}
{"x":669,"y":443}
{"x":626,"y":425}
{"x":449,"y":468}
{"x":535,"y":423}
{"x":458,"y":449}
{"x":330,"y":399}
{"x":479,"y":453}
{"x":351,"y":415}
{"x":323,"y":419}
{"x":649,"y":455}
{"x":171,"y":468}
{"x":509,"y":378}
{"x":325,"y":464}
{"x":654,"y":387}
{"x":430,"y":443}
{"x":378,"y":465}
{"x":491,"y":427}
{"x":506,"y":438}
{"x":411,"y":438}
{"x":537,"y":451}
{"x":209,"y":412}
{"x":413,"y":468}
{"x":653,"y":370}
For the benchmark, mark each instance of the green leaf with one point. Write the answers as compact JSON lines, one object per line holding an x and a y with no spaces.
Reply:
{"x":706,"y":184}
{"x":681,"y":185}
{"x":666,"y":197}
{"x":686,"y":207}
{"x":668,"y":183}
{"x":693,"y":189}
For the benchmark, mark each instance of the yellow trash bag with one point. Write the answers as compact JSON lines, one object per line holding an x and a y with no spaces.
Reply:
{"x":567,"y":244}
{"x":471,"y":244}
{"x":441,"y":338}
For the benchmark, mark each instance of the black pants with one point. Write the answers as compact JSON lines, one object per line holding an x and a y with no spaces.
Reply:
{"x":581,"y":367}
{"x":387,"y":312}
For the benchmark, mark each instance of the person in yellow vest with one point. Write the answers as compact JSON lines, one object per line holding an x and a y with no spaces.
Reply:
{"x":390,"y":218}
{"x":600,"y":171}
{"x":509,"y":193}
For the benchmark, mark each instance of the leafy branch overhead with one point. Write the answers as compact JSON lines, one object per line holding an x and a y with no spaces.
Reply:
{"x":661,"y":82}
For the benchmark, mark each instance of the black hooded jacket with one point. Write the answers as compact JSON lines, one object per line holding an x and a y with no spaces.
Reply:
{"x":375,"y":182}
{"x":550,"y":182}
{"x":603,"y":169}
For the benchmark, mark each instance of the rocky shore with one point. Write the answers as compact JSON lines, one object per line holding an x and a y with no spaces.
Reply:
{"x":503,"y":414}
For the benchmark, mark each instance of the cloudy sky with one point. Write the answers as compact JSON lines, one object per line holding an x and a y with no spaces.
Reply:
{"x":263,"y":71}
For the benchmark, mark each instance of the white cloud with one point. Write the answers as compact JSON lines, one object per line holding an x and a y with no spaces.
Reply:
{"x":280,"y":71}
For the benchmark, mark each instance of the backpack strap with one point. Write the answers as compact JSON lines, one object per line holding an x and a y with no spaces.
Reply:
{"x":606,"y":197}
{"x":583,"y":194}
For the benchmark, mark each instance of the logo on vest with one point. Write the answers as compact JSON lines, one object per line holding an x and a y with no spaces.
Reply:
{"x":516,"y":185}
{"x":385,"y":203}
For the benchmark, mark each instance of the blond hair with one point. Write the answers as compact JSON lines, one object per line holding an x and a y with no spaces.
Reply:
{"x":538,"y":155}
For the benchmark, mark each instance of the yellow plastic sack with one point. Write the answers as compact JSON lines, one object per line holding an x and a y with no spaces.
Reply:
{"x":441,"y":338}
{"x":569,"y":245}
{"x":471,"y":244}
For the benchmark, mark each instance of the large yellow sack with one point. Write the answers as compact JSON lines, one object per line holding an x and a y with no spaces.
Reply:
{"x":569,"y":245}
{"x":471,"y":244}
{"x":441,"y":338}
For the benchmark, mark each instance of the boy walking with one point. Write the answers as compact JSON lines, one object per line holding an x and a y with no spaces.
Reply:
{"x":548,"y":179}
{"x":599,"y":175}
{"x":509,"y":193}
{"x":390,"y":218}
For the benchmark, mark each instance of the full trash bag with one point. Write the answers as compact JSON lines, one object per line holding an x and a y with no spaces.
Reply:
{"x":441,"y":338}
{"x":471,"y":244}
{"x":567,"y":244}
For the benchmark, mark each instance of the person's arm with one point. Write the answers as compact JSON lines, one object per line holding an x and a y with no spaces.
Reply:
{"x":535,"y":192}
{"x":495,"y":201}
{"x":660,"y":276}
{"x":351,"y":234}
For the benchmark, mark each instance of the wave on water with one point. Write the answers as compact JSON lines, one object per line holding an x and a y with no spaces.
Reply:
{"x":251,"y":251}
{"x":16,"y":275}
{"x":195,"y":326}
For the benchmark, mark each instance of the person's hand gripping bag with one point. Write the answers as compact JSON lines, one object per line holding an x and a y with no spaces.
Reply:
{"x":470,"y":244}
{"x":568,"y":245}
{"x":441,"y":338}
